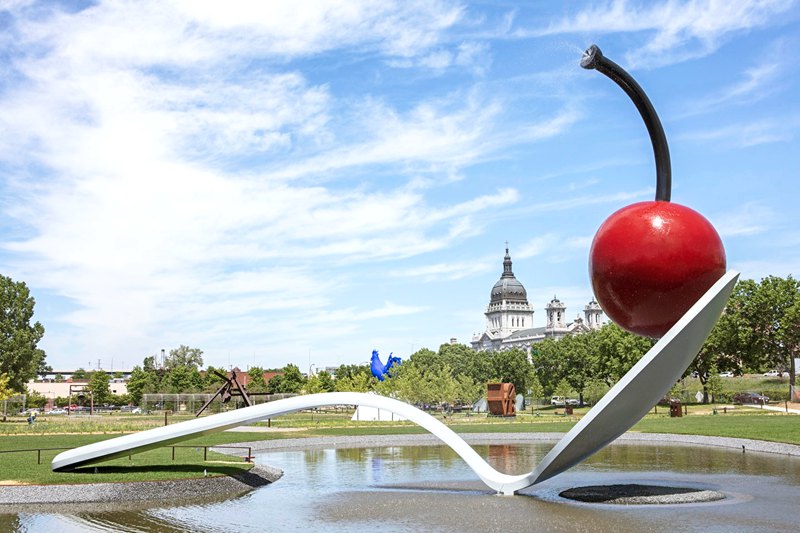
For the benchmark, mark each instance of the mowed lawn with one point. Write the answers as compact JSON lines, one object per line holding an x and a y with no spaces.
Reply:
{"x":188,"y":462}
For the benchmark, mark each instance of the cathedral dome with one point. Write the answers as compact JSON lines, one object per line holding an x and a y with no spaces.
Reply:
{"x":508,"y":287}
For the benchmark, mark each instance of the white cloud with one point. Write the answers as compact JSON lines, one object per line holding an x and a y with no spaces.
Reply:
{"x":194,"y":32}
{"x":128,"y":121}
{"x":390,"y":309}
{"x":747,"y":134}
{"x":757,"y":83}
{"x":752,"y":218}
{"x":674,"y":30}
{"x":447,"y":271}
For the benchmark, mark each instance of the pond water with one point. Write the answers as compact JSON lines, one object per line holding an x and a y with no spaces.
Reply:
{"x":429,"y":488}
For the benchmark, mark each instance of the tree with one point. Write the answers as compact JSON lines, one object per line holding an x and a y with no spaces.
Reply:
{"x":326,"y":381}
{"x":5,"y":392}
{"x":758,"y":330}
{"x":140,"y":382}
{"x":80,"y":373}
{"x":319,"y":382}
{"x":98,"y":384}
{"x":256,"y":383}
{"x":182,"y":379}
{"x":791,"y":336}
{"x":291,"y":381}
{"x":579,"y":357}
{"x":617,"y":351}
{"x":184,"y":356}
{"x":595,"y":389}
{"x":19,"y":355}
{"x":535,"y":388}
{"x":564,"y":389}
{"x":713,"y":385}
{"x":511,"y":366}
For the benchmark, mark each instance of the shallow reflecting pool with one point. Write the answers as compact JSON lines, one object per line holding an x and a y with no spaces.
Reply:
{"x":429,"y":488}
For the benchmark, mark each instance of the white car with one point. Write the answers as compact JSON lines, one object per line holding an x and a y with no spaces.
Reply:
{"x":727,"y":374}
{"x":772,"y":374}
{"x":560,"y":400}
{"x":56,"y":411}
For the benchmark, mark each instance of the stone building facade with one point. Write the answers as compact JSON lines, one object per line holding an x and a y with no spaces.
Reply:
{"x":509,"y":317}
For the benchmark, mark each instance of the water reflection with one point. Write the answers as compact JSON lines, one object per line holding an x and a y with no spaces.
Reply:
{"x":403,"y":488}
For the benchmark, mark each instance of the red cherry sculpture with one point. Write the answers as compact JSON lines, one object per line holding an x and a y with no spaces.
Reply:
{"x":651,"y":261}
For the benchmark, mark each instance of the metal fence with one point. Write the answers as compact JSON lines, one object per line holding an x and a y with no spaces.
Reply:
{"x":191,"y":402}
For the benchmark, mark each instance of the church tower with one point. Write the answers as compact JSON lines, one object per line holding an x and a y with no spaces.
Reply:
{"x":508,"y":310}
{"x":593,"y":313}
{"x":556,"y":312}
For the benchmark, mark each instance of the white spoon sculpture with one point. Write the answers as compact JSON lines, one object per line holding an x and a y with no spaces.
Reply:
{"x":624,"y":405}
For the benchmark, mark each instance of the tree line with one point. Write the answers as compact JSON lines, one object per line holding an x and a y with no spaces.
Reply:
{"x":759,"y":330}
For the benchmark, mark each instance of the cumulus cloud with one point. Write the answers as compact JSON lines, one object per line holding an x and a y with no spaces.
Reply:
{"x":173,"y":173}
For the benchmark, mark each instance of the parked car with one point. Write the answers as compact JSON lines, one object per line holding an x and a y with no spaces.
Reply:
{"x":56,"y":411}
{"x":560,"y":400}
{"x":726,"y":374}
{"x":750,"y":398}
{"x":773,"y":374}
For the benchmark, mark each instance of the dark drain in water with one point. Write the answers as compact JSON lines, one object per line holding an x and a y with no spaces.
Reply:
{"x":641,"y":494}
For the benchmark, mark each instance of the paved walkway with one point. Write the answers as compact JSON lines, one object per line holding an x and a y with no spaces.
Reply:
{"x":782,"y":409}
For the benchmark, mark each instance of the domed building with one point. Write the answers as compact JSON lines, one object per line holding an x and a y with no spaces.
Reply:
{"x":509,"y":317}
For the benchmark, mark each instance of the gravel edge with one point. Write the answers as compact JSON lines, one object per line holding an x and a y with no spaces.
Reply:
{"x":138,"y":492}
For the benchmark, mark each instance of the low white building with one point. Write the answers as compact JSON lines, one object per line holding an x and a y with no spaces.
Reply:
{"x":53,"y":390}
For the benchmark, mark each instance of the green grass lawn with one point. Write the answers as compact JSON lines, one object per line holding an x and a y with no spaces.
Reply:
{"x":148,"y":466}
{"x":158,"y":464}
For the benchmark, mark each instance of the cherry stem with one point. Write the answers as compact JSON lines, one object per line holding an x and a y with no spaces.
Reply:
{"x":593,"y":59}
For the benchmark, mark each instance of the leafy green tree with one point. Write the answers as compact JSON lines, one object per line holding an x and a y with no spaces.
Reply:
{"x":511,"y":366}
{"x":212,"y":380}
{"x":468,"y":391}
{"x":426,"y":359}
{"x":182,"y":379}
{"x":758,"y":329}
{"x":713,"y":385}
{"x":256,"y":384}
{"x":36,"y":400}
{"x":535,"y":388}
{"x":360,"y":382}
{"x":291,"y":381}
{"x":141,"y":382}
{"x":791,"y":337}
{"x":184,"y":356}
{"x":319,"y":382}
{"x":326,"y":382}
{"x":617,"y":351}
{"x":59,"y":378}
{"x":80,"y":373}
{"x":595,"y":389}
{"x":19,"y":356}
{"x":564,"y":389}
{"x":580,"y":360}
{"x":98,"y":384}
{"x":5,"y":389}
{"x":549,"y":365}
{"x":43,"y":368}
{"x":349,"y":371}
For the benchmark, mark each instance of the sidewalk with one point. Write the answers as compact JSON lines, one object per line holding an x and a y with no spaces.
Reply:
{"x":793,"y":408}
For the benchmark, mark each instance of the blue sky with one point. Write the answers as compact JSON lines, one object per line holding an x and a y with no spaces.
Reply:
{"x":304,"y":181}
